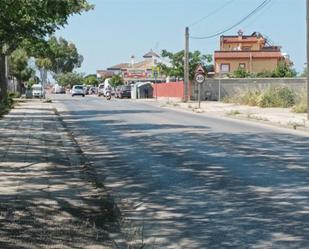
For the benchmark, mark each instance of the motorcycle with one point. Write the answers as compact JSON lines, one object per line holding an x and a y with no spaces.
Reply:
{"x":108,"y":95}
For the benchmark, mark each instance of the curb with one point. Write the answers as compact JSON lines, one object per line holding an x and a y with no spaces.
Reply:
{"x":87,"y":170}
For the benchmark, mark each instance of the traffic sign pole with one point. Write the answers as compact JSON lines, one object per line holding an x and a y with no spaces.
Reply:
{"x":199,"y":78}
{"x":199,"y":96}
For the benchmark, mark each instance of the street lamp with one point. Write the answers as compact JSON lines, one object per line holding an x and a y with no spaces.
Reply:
{"x":219,"y":92}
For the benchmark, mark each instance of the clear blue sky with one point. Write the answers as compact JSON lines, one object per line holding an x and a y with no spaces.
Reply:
{"x":117,"y":29}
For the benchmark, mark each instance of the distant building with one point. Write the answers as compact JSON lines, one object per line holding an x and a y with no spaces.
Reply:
{"x":136,"y":71}
{"x":251,"y":53}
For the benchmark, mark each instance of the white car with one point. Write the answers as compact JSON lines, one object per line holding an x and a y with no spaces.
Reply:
{"x":78,"y":90}
{"x":38,"y":91}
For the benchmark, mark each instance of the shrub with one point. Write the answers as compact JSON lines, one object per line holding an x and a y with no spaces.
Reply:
{"x":270,"y":97}
{"x":301,"y":103}
{"x":6,"y":105}
{"x":240,"y":73}
{"x":247,"y":97}
{"x":300,"y":108}
{"x":14,"y":95}
{"x":277,"y":97}
{"x":252,"y":97}
{"x":265,"y":74}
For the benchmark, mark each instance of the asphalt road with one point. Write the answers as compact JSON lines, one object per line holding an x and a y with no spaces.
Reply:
{"x":185,"y":180}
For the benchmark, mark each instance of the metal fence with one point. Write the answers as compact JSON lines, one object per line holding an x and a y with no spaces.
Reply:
{"x":12,"y":85}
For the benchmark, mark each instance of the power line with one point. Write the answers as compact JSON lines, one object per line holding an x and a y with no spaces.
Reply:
{"x":212,"y":13}
{"x":257,"y":9}
{"x":258,"y":15}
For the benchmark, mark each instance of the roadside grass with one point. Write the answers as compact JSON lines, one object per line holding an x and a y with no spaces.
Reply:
{"x":275,"y":96}
{"x":233,"y":113}
{"x":256,"y":117}
{"x":301,"y":103}
{"x":244,"y":97}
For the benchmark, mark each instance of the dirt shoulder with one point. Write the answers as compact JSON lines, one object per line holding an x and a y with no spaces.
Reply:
{"x":48,"y":194}
{"x":278,"y":117}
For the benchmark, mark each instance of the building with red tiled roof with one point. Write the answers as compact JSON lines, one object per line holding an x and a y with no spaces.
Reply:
{"x":250,"y":53}
{"x":136,"y":71}
{"x":151,"y":54}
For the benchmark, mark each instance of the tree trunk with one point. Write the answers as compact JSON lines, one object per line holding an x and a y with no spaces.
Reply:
{"x":3,"y":80}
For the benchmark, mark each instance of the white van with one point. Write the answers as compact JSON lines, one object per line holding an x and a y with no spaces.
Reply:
{"x":58,"y":89}
{"x":38,"y":91}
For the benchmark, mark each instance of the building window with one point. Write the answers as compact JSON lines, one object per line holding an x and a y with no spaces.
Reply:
{"x":225,"y":68}
{"x":242,"y":66}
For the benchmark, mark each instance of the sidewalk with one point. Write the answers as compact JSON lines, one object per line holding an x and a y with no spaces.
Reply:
{"x":282,"y":117}
{"x":46,"y":197}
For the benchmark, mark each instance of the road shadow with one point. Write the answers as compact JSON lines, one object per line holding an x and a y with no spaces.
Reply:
{"x":187,"y":186}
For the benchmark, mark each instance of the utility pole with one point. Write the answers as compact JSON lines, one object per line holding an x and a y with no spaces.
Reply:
{"x":307,"y":21}
{"x":155,"y":74}
{"x":186,"y":66}
{"x":219,"y":87}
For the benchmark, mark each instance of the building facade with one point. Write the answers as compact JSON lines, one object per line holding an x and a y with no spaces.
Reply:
{"x":250,"y":53}
{"x":143,"y":70}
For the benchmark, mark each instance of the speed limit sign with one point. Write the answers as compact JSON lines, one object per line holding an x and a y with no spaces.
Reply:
{"x":200,"y":78}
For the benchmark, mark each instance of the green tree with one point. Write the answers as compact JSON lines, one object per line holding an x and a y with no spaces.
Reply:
{"x":283,"y":70}
{"x":19,"y":68}
{"x":70,"y":79}
{"x":176,"y":67}
{"x":63,"y":56}
{"x":33,"y":80}
{"x":28,"y":20}
{"x":91,"y":80}
{"x":56,"y":56}
{"x":43,"y":65}
{"x":115,"y":81}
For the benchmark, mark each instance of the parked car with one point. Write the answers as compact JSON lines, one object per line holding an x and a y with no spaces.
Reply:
{"x":78,"y":90}
{"x":38,"y":91}
{"x":123,"y":91}
{"x":58,"y":89}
